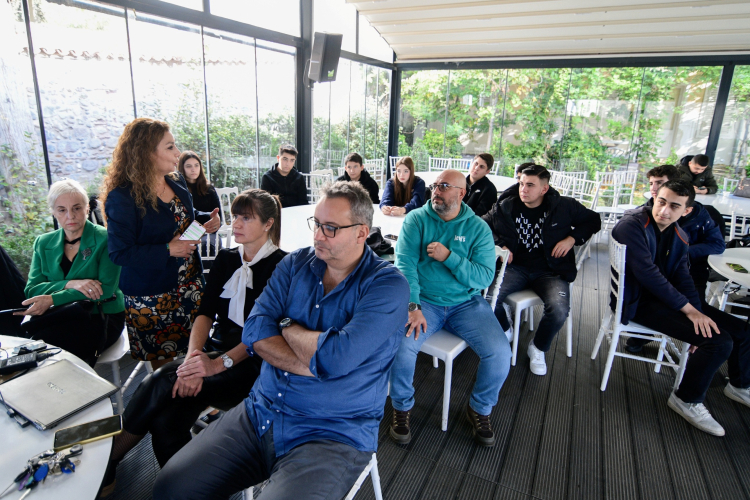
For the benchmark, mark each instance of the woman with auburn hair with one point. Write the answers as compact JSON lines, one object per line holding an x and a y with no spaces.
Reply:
{"x":204,"y":195}
{"x":148,"y":207}
{"x":405,"y":191}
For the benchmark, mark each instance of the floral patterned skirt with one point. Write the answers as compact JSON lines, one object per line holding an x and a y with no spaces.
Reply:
{"x":159,"y":325}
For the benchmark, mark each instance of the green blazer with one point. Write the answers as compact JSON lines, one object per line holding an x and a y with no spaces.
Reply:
{"x":91,"y":262}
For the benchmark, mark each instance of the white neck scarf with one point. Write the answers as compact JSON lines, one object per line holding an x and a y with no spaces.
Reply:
{"x":241,"y":280}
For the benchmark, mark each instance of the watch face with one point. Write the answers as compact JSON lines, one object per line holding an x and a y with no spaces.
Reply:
{"x":285,"y":322}
{"x":227,"y":361}
{"x":412,"y":306}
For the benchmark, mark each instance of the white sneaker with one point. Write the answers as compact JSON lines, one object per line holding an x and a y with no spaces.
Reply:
{"x":739,"y":395}
{"x":509,"y":334}
{"x":697,"y":414}
{"x":538,"y":366}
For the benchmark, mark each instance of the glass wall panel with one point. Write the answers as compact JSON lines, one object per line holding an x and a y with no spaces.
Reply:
{"x":278,"y":15}
{"x":422,"y":122}
{"x":337,"y":16}
{"x":322,"y":154}
{"x":475,"y":113}
{"x":732,"y":152}
{"x":276,"y":100}
{"x":23,"y":178}
{"x":383,"y":113}
{"x":84,"y":81}
{"x":339,"y":141}
{"x":168,"y":77}
{"x":190,"y":4}
{"x":371,"y":44}
{"x":232,"y":118}
{"x":357,"y":108}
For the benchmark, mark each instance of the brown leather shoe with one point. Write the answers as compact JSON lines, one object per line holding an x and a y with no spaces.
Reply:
{"x":400,"y":431}
{"x":480,"y":427}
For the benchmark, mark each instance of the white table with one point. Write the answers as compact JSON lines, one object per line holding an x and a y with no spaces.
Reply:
{"x":21,"y":443}
{"x":500,"y":182}
{"x":733,"y":256}
{"x":296,"y":234}
{"x":726,"y":203}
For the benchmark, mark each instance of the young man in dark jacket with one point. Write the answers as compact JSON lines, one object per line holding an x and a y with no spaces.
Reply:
{"x":659,"y":293}
{"x":540,"y":228}
{"x":481,"y":193}
{"x":696,"y":171}
{"x":284,"y":180}
{"x":355,"y":171}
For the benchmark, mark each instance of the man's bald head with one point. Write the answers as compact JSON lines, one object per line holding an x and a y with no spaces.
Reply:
{"x":447,"y":202}
{"x":452,"y":177}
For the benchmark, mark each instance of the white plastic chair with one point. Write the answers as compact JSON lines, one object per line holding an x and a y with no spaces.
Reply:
{"x":440,"y":164}
{"x":376,"y":168}
{"x":371,"y":469}
{"x":730,"y":184}
{"x":314,"y":181}
{"x":225,"y":202}
{"x":445,"y":346}
{"x":738,"y":226}
{"x":613,"y":328}
{"x":586,"y":192}
{"x":112,"y":356}
{"x":562,"y":182}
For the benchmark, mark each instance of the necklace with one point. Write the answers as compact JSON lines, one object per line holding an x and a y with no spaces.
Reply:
{"x":71,"y":243}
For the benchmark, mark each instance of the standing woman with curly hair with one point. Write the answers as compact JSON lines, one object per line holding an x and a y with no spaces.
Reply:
{"x":148,"y":207}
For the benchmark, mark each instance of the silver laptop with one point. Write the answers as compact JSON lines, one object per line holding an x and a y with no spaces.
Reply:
{"x":48,"y":395}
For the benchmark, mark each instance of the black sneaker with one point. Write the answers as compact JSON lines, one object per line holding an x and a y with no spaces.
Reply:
{"x":480,"y":427}
{"x":635,"y":345}
{"x":400,"y":431}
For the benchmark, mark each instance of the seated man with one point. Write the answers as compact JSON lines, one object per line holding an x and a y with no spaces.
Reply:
{"x":540,"y":228}
{"x":355,"y":171}
{"x":327,"y":326}
{"x":695,"y":170}
{"x":284,"y":180}
{"x":447,"y":256}
{"x":659,"y":294}
{"x":481,"y":193}
{"x":513,"y":190}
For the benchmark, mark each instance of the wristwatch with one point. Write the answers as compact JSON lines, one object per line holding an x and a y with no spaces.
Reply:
{"x":285,"y":322}
{"x":413,"y":306}
{"x":228,"y":363}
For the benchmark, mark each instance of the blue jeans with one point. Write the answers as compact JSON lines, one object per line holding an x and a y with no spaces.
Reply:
{"x":554,"y":292}
{"x":475,"y":323}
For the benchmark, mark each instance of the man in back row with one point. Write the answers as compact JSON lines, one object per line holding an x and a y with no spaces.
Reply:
{"x":355,"y":171}
{"x":659,"y":293}
{"x":695,"y":170}
{"x":284,"y":180}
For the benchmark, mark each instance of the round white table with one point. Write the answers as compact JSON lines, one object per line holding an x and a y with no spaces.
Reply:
{"x":726,"y":203}
{"x":500,"y":182}
{"x":295,"y":233}
{"x":21,"y":443}
{"x":732,"y":256}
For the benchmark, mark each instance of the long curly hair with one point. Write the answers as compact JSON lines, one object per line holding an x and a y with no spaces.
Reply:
{"x":132,"y":164}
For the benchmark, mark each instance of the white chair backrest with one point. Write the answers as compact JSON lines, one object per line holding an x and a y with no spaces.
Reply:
{"x":495,"y":286}
{"x":616,"y":275}
{"x":738,"y":226}
{"x":225,"y":200}
{"x":577,"y":175}
{"x":586,"y":192}
{"x":438,"y":164}
{"x":314,"y":181}
{"x":730,"y":184}
{"x":561,"y":182}
{"x":210,"y":247}
{"x":376,"y":168}
{"x":617,"y":188}
{"x":392,"y":160}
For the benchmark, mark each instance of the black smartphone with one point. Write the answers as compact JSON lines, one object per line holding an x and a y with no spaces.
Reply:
{"x":391,"y":237}
{"x":88,"y":432}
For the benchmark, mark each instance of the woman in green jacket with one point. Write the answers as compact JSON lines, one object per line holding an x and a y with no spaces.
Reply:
{"x":70,"y":264}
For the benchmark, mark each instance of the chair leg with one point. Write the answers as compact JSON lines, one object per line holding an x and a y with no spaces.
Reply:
{"x":610,"y":358}
{"x":683,"y":363}
{"x":375,"y":475}
{"x":516,"y":334}
{"x":447,"y":391}
{"x":434,"y":362}
{"x":132,"y":375}
{"x":660,"y":356}
{"x":602,"y":331}
{"x":116,"y":378}
{"x":247,"y":494}
{"x":569,"y":336}
{"x":531,"y":318}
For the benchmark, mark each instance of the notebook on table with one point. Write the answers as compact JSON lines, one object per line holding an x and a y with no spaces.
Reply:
{"x":48,"y":395}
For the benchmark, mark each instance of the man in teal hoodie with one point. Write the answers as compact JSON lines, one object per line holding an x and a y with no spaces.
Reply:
{"x":448,"y":256}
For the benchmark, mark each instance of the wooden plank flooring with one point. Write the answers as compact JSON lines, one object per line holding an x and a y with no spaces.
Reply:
{"x":558,"y":436}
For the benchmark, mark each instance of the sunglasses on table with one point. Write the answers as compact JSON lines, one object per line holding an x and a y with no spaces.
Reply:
{"x":443,"y":187}
{"x":329,"y":231}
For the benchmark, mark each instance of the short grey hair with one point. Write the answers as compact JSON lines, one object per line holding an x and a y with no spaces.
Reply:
{"x":65,"y":186}
{"x":359,"y":199}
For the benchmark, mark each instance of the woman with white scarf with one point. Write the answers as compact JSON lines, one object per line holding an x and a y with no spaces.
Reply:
{"x":216,"y":371}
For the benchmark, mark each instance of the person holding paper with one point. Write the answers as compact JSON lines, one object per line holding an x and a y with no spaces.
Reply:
{"x":148,"y":207}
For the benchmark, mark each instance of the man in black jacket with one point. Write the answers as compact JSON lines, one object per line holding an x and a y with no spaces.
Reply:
{"x":284,"y":180}
{"x":540,"y":228}
{"x":355,"y":171}
{"x":481,"y":193}
{"x":659,"y":293}
{"x":695,"y":170}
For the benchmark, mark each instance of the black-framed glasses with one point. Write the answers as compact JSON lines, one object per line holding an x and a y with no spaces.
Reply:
{"x":443,"y":187}
{"x":329,"y":231}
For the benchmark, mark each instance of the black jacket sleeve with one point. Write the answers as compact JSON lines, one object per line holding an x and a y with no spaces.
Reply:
{"x":710,"y":183}
{"x":487,"y":199}
{"x":503,"y":234}
{"x":585,"y":222}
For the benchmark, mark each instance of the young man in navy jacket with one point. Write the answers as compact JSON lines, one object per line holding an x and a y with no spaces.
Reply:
{"x":660,"y":294}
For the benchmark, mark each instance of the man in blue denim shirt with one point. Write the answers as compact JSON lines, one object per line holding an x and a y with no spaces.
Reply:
{"x":327,"y":326}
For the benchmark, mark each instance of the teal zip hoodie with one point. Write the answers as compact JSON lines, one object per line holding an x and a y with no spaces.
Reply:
{"x":468,"y":269}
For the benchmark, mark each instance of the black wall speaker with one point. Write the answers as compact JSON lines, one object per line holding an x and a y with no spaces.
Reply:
{"x":324,"y":60}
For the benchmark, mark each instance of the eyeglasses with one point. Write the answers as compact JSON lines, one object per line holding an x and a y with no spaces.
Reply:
{"x":443,"y":187}
{"x":329,"y":231}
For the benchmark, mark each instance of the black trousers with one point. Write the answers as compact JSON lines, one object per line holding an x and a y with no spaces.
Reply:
{"x":731,"y":345}
{"x":152,"y":408}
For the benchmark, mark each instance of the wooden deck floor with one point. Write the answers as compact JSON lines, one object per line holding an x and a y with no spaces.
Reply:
{"x":558,"y":436}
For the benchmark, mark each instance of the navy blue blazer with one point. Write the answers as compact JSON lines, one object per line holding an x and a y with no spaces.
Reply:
{"x":139,"y":243}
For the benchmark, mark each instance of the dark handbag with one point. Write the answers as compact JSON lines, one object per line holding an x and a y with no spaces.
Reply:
{"x":377,"y":243}
{"x":743,"y":188}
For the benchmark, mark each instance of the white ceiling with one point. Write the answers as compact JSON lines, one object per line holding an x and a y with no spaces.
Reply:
{"x":450,"y":30}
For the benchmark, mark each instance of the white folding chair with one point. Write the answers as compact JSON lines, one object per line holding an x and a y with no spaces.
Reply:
{"x":586,"y":192}
{"x":613,"y":328}
{"x":445,"y":346}
{"x":614,"y":188}
{"x":562,"y":182}
{"x":371,"y":469}
{"x":225,"y":202}
{"x":314,"y":181}
{"x":730,"y":184}
{"x":738,"y":226}
{"x":376,"y":168}
{"x":211,"y":249}
{"x":112,"y":356}
{"x":438,"y":164}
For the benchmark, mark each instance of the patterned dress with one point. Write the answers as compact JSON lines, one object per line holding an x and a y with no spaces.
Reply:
{"x":159,"y":325}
